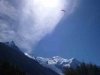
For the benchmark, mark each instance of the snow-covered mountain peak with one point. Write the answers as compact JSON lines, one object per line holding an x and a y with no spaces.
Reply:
{"x":56,"y":63}
{"x":56,"y":60}
{"x":51,"y":61}
{"x":59,"y":59}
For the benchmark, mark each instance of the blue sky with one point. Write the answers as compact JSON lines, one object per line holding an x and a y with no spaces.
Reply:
{"x":77,"y":35}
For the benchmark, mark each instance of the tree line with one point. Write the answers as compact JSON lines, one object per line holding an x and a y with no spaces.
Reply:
{"x":83,"y":69}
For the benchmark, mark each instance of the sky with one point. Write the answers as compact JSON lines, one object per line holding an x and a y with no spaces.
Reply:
{"x":77,"y":35}
{"x":41,"y":28}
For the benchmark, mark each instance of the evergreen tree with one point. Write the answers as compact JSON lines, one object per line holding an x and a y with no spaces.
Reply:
{"x":83,"y":69}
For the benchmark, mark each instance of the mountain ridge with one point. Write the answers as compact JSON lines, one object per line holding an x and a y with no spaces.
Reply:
{"x":12,"y":54}
{"x":56,"y":63}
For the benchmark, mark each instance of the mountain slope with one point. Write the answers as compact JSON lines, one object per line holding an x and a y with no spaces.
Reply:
{"x":58,"y":64}
{"x":11,"y":53}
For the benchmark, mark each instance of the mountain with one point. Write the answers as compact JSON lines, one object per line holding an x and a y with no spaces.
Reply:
{"x":9,"y":52}
{"x":57,"y":63}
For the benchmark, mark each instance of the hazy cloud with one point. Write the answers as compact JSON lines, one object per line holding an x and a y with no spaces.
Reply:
{"x":28,"y":24}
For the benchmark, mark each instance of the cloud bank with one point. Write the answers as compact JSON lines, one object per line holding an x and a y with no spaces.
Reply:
{"x":26,"y":22}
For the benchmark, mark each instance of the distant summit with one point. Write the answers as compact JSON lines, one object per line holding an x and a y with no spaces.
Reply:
{"x":57,"y":63}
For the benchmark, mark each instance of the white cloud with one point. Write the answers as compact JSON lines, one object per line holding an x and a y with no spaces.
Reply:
{"x":7,"y":9}
{"x":28,"y":24}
